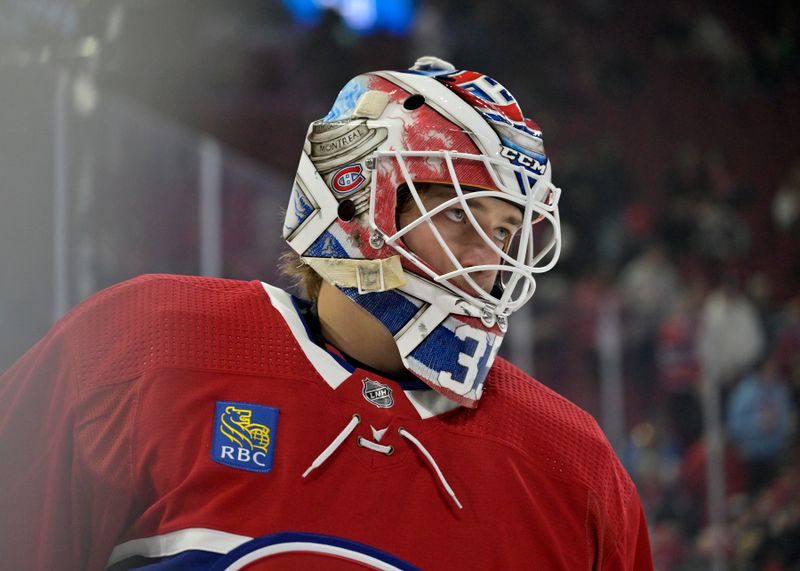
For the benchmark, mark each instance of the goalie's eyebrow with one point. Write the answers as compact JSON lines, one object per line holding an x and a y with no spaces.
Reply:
{"x":511,"y":219}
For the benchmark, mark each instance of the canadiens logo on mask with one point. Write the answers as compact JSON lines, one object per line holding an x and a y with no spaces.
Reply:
{"x":348,"y":179}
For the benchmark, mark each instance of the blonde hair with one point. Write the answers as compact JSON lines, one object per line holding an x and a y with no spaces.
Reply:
{"x":303,"y":277}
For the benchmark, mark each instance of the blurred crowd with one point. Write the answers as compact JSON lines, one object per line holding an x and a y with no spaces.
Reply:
{"x":694,"y":307}
{"x":682,"y":330}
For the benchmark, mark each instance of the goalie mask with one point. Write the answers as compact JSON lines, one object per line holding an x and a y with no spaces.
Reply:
{"x":394,"y":133}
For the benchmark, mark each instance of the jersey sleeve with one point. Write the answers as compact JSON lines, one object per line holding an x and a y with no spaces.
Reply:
{"x":71,"y":481}
{"x":64,"y":455}
{"x":632,"y":551}
{"x":37,"y":492}
{"x":619,"y":526}
{"x":566,"y":442}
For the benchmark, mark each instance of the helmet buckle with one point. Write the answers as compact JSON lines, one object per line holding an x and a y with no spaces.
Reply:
{"x":488,"y":316}
{"x":502,"y":323}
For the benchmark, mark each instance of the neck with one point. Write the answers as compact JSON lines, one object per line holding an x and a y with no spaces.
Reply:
{"x":354,"y":331}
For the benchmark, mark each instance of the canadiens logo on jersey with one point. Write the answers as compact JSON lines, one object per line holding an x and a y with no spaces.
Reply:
{"x":377,"y":393}
{"x":244,"y":435}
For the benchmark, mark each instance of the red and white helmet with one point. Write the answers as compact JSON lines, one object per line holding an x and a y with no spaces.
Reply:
{"x":428,"y":124}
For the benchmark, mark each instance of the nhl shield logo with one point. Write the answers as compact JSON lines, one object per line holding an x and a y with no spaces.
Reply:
{"x":377,"y":393}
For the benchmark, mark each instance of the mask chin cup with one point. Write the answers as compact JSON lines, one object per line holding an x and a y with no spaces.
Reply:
{"x":368,"y":276}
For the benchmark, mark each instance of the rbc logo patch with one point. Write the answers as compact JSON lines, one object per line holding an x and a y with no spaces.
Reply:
{"x":244,"y":435}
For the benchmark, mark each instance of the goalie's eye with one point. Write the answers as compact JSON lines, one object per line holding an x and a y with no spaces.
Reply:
{"x":456,"y":214}
{"x":502,"y":234}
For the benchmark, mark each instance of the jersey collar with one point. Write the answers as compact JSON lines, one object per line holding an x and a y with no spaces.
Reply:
{"x":331,"y":365}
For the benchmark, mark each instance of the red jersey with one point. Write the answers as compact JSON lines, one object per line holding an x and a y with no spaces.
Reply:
{"x":195,"y":423}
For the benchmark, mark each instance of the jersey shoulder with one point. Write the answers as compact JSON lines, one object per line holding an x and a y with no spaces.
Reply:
{"x":554,"y":433}
{"x":160,"y":320}
{"x":560,"y":441}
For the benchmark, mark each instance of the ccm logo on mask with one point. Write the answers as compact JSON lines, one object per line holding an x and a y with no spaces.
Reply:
{"x":522,"y":159}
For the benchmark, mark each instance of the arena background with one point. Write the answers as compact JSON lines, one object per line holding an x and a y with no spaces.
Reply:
{"x":141,"y":136}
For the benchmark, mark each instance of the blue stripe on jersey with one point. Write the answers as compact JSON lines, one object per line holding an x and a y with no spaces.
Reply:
{"x":186,"y":560}
{"x":237,"y":554}
{"x":301,"y":306}
{"x":342,"y":361}
{"x":306,"y":545}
